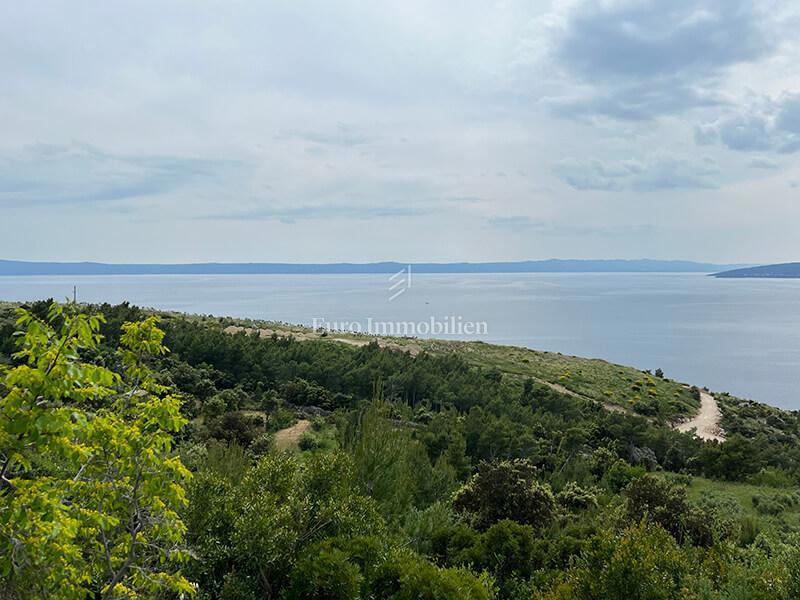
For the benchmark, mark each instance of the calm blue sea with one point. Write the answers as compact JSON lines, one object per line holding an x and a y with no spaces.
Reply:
{"x":741,"y":336}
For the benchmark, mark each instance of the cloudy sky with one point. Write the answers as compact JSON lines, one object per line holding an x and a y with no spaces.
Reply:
{"x":416,"y":130}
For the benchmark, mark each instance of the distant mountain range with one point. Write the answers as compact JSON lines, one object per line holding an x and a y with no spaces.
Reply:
{"x":781,"y":271}
{"x":13,"y":267}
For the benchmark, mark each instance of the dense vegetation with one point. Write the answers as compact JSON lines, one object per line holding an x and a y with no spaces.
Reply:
{"x":464,"y":471}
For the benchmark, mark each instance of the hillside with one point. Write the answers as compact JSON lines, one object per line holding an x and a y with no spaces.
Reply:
{"x":345,"y":466}
{"x":780,"y":271}
{"x":615,"y":386}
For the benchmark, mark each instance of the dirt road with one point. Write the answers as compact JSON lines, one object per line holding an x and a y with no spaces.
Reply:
{"x":707,"y":421}
{"x":289,"y":437}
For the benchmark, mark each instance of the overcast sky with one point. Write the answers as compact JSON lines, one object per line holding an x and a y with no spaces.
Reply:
{"x":412,"y":131}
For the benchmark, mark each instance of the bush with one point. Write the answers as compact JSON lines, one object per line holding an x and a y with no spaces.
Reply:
{"x":646,"y":406}
{"x":238,"y":586}
{"x":338,"y":567}
{"x":308,"y":442}
{"x":679,"y":478}
{"x":621,"y":474}
{"x":771,"y":477}
{"x":506,"y":490}
{"x":658,"y":501}
{"x":724,"y":512}
{"x":214,"y":407}
{"x":300,"y":392}
{"x":574,"y":498}
{"x":193,"y":454}
{"x":421,"y":526}
{"x":775,"y":503}
{"x":506,"y":549}
{"x":561,"y":551}
{"x":749,"y":530}
{"x":602,"y":460}
{"x":454,"y":545}
{"x":325,"y":573}
{"x":236,"y":427}
{"x":281,"y":419}
{"x":406,"y":576}
{"x":262,"y":444}
{"x":227,"y":460}
{"x":643,"y":562}
{"x":232,"y":399}
{"x":262,"y":526}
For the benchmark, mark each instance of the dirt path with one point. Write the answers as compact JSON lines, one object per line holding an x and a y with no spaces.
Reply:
{"x":288,"y":438}
{"x":568,"y":392}
{"x":706,"y":421}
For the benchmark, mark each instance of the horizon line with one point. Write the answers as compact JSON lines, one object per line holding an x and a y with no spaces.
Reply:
{"x":552,"y":265}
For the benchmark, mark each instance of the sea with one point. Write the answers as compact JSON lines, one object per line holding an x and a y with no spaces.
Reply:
{"x":732,"y":335}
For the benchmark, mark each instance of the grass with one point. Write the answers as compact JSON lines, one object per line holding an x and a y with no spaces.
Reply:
{"x":595,"y":379}
{"x":754,"y":500}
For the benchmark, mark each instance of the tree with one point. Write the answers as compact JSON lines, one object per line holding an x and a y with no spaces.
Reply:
{"x":90,"y":491}
{"x":506,"y":490}
{"x":390,"y":466}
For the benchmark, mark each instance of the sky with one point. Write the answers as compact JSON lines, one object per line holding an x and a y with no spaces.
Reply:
{"x":329,"y":131}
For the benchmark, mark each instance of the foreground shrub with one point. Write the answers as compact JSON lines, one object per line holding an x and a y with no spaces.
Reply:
{"x":643,"y":562}
{"x":90,"y":491}
{"x":257,"y":529}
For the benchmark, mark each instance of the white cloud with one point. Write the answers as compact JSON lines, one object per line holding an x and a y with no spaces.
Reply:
{"x":654,"y":174}
{"x":769,"y":125}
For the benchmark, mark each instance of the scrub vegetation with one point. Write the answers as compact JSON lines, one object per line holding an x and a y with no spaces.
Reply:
{"x":151,"y":455}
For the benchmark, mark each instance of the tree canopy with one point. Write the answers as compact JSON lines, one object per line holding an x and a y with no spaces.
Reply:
{"x":91,"y":492}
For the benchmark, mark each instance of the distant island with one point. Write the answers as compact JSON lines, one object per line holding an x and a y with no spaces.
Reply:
{"x":781,"y":271}
{"x":14,"y":267}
